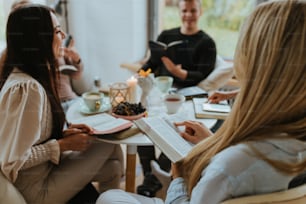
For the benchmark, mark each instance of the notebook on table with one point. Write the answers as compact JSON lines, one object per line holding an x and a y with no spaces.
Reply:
{"x":204,"y":110}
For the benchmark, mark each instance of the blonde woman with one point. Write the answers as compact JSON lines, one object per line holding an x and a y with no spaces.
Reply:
{"x":261,"y":146}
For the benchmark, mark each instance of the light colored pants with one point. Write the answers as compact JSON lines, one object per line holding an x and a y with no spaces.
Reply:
{"x":117,"y":196}
{"x":102,"y":162}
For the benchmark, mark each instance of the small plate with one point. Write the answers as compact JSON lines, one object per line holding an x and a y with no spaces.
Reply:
{"x":86,"y":111}
{"x":132,"y":117}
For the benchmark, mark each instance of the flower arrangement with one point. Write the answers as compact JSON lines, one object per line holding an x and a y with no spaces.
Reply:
{"x":143,"y":73}
{"x":146,"y":82}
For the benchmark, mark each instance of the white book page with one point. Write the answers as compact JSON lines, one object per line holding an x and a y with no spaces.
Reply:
{"x":216,"y":108}
{"x":67,"y":67}
{"x":102,"y":122}
{"x":175,"y":43}
{"x":166,"y":138}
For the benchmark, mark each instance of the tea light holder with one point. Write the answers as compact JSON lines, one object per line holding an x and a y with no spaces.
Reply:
{"x":118,"y":93}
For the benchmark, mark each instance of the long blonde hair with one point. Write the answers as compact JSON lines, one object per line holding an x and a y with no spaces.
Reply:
{"x":270,"y":62}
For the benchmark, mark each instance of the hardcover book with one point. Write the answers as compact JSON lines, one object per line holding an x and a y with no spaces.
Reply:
{"x":191,"y":92}
{"x":67,"y":69}
{"x":204,"y":110}
{"x":172,"y":50}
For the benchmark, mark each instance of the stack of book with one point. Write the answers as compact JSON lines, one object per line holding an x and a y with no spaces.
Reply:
{"x":203,"y":109}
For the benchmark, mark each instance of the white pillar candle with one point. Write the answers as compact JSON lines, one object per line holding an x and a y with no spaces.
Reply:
{"x":132,"y":83}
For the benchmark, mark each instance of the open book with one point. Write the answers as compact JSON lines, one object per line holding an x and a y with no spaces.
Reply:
{"x":67,"y":69}
{"x":192,"y":91}
{"x":159,"y":49}
{"x":165,"y":136}
{"x":104,"y":124}
{"x":205,"y":110}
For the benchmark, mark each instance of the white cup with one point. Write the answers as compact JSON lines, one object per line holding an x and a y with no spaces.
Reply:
{"x":173,"y":102}
{"x":93,"y":100}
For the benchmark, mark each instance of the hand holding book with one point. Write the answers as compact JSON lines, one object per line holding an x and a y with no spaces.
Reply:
{"x":165,"y":136}
{"x":160,"y":49}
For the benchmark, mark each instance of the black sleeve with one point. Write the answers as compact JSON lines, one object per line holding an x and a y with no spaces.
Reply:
{"x":204,"y":59}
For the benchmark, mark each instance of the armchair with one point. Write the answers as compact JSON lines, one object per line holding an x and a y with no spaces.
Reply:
{"x":295,"y":195}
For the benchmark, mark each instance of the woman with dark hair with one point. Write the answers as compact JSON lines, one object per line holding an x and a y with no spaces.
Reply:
{"x":46,"y":163}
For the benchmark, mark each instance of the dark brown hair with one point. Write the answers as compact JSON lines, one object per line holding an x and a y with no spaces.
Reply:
{"x":29,"y":35}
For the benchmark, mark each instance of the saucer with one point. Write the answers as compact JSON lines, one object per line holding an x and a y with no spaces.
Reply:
{"x":86,"y":111}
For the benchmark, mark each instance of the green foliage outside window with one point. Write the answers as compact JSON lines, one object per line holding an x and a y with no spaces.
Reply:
{"x":221,"y":19}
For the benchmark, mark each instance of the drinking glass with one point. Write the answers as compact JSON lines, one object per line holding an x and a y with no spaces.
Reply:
{"x":164,"y":83}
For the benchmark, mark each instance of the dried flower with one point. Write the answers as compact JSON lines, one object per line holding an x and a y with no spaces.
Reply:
{"x":143,"y":73}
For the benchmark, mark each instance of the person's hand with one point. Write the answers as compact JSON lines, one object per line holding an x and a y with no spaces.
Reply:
{"x":194,"y":132}
{"x":218,"y":96}
{"x":175,"y":70}
{"x":72,"y":55}
{"x":76,"y":137}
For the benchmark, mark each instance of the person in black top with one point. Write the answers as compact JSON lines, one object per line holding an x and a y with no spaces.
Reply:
{"x":196,"y":59}
{"x":191,"y":65}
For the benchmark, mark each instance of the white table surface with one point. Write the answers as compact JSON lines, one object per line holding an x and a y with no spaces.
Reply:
{"x":186,"y":112}
{"x":156,"y":108}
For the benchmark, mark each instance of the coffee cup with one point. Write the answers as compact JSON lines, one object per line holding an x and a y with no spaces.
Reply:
{"x":173,"y":102}
{"x":93,"y":100}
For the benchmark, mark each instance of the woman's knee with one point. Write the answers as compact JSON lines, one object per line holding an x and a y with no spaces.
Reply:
{"x":110,"y":175}
{"x":115,"y":196}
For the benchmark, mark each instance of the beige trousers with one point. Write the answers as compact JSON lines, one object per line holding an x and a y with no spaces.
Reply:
{"x":47,"y":183}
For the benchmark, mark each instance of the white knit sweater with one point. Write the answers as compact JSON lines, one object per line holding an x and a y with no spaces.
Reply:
{"x":26,"y":124}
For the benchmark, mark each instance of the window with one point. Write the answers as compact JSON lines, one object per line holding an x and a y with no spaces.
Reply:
{"x":221,"y":19}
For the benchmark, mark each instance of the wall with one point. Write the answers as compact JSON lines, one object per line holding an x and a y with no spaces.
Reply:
{"x":107,"y":33}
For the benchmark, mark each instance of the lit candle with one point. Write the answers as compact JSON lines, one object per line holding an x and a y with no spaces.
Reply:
{"x":132,"y":83}
{"x":119,"y":98}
